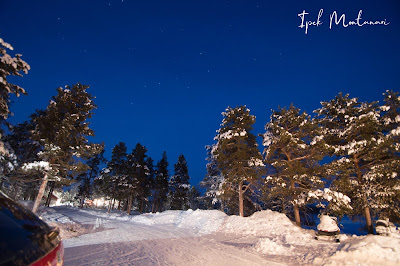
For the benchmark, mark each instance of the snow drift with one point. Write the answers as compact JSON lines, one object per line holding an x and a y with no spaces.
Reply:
{"x":366,"y":250}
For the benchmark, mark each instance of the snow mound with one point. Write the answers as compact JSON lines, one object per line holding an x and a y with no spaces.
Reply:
{"x":270,"y":224}
{"x":328,"y":224}
{"x":203,"y":221}
{"x":199,"y":221}
{"x":368,"y":250}
{"x":166,"y":217}
{"x":267,"y":246}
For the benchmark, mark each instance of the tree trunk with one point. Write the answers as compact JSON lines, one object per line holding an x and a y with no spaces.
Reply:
{"x":295,"y":206}
{"x":368,"y":220}
{"x":81,"y":201}
{"x":367,"y":214}
{"x":153,"y":208}
{"x":125,"y":207}
{"x":158,"y":205}
{"x":241,"y":209}
{"x":40,"y":193}
{"x":129,"y":205}
{"x":48,"y":200}
{"x":119,"y":205}
{"x":141,"y":205}
{"x":296,"y":214}
{"x":110,"y":205}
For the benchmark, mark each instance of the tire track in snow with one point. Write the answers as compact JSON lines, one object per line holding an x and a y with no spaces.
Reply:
{"x":206,"y":250}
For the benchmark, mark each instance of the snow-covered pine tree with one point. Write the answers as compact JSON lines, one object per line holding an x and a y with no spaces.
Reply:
{"x":180,"y":186}
{"x":113,"y":180}
{"x":21,"y":149}
{"x":21,"y":140}
{"x":391,"y":117}
{"x":149,"y":185}
{"x":194,"y":198}
{"x":138,"y":173}
{"x":354,"y":132}
{"x":294,"y":146}
{"x":63,"y":130}
{"x":9,"y":66}
{"x":85,"y":189}
{"x":237,"y":153}
{"x":386,"y":190}
{"x":161,"y":184}
{"x":212,"y":182}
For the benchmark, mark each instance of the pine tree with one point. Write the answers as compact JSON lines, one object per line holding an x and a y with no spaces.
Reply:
{"x":149,"y":185}
{"x":180,"y":186}
{"x":194,"y":198}
{"x":21,"y":149}
{"x":294,"y":146}
{"x":354,"y":132}
{"x":9,"y":66}
{"x":87,"y":178}
{"x":138,"y":173}
{"x":113,"y":180}
{"x":84,"y":190}
{"x":63,"y":131}
{"x":237,"y":154}
{"x":21,"y":140}
{"x":161,"y":184}
{"x":212,"y":183}
{"x":385,"y":199}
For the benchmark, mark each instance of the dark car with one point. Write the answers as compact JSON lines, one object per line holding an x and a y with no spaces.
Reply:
{"x":25,"y":239}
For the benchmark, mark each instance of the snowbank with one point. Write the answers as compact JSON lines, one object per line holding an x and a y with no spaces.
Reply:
{"x":278,"y":235}
{"x":274,"y":225}
{"x":202,"y":221}
{"x":199,"y":221}
{"x":267,"y":246}
{"x":263,"y":223}
{"x":366,"y":250}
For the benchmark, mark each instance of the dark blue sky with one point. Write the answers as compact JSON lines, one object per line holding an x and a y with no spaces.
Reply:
{"x":163,"y":71}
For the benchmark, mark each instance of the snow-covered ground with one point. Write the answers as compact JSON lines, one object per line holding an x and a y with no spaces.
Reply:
{"x":207,"y":238}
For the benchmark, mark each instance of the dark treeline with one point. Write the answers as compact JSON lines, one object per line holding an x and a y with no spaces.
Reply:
{"x":132,"y":182}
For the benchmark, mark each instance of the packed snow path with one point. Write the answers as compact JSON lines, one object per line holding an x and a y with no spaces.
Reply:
{"x":95,"y":237}
{"x":206,"y":250}
{"x":126,"y":243}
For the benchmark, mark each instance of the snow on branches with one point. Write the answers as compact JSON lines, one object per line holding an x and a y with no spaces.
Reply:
{"x":9,"y":66}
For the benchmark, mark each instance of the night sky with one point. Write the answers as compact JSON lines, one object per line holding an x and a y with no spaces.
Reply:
{"x":163,"y":71}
